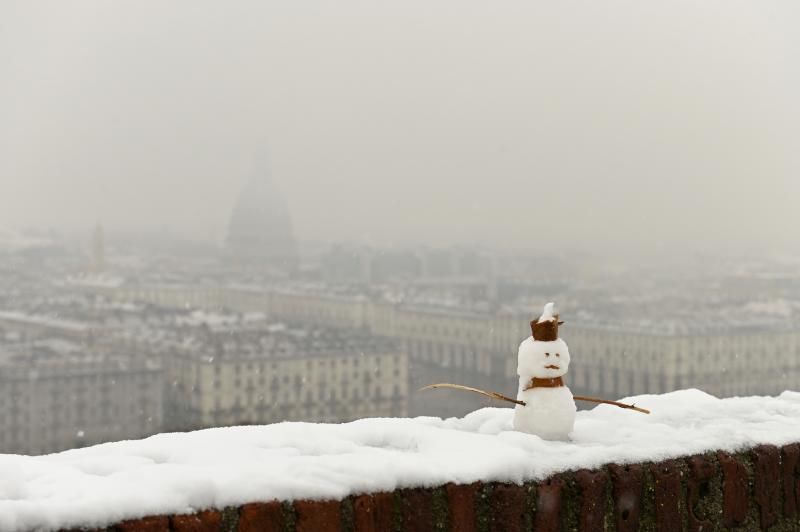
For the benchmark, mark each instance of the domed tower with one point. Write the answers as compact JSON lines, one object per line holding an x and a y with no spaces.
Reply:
{"x":260,"y":231}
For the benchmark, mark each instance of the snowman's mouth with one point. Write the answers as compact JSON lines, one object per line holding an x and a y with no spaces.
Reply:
{"x":552,"y":366}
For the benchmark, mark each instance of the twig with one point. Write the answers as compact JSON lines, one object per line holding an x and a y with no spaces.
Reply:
{"x":607,"y":402}
{"x":501,"y":397}
{"x":493,"y":395}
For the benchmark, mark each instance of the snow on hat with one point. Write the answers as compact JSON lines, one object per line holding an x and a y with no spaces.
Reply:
{"x":545,"y":328}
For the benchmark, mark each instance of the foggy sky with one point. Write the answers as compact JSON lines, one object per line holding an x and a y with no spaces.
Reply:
{"x":514,"y":124}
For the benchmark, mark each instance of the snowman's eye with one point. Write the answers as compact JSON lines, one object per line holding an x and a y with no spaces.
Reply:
{"x":558,"y":355}
{"x":547,"y":354}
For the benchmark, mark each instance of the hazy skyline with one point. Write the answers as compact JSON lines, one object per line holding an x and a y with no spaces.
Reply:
{"x":514,"y":124}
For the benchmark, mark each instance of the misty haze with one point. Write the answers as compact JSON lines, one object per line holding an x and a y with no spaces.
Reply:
{"x":243,"y":213}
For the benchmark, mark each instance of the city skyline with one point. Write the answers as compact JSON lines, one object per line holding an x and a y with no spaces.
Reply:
{"x":227,"y":345}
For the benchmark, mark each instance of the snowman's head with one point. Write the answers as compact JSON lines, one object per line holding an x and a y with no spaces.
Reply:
{"x":542,"y":359}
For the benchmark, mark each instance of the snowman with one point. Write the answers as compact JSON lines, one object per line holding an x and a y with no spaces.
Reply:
{"x":544,"y":406}
{"x":549,"y":408}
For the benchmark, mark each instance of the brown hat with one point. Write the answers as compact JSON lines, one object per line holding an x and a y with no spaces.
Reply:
{"x":546,"y":330}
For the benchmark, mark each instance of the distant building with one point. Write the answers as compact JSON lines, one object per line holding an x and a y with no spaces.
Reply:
{"x":728,"y":350}
{"x":57,"y":394}
{"x":722,"y":356}
{"x":725,"y":363}
{"x":347,"y":264}
{"x":265,"y":373}
{"x":260,"y":236}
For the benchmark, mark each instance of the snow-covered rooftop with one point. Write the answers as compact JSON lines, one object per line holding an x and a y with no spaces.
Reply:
{"x":55,"y":323}
{"x":183,"y":472}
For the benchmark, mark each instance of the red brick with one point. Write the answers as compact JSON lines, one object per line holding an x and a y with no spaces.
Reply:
{"x":318,"y":516}
{"x":700,"y":473}
{"x":766,"y":462}
{"x":373,"y":513}
{"x":207,"y":521}
{"x":548,"y":505}
{"x":667,"y":494}
{"x":416,"y":509}
{"x":628,"y":483}
{"x":593,"y":486}
{"x":461,"y":506}
{"x":734,"y":490}
{"x":261,"y":517}
{"x":791,"y":480}
{"x":508,"y":508}
{"x":145,"y":524}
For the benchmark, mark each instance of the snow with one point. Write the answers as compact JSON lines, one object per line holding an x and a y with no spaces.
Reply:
{"x":21,"y":317}
{"x":548,"y":412}
{"x":542,"y":359}
{"x":184,"y":472}
{"x":547,"y":313}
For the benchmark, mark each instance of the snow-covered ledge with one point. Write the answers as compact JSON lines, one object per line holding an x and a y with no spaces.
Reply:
{"x":695,"y":459}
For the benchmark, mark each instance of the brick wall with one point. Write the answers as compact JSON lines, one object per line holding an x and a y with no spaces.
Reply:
{"x":752,"y":490}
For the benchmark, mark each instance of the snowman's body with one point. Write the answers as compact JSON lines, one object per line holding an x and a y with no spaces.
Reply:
{"x":549,"y":410}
